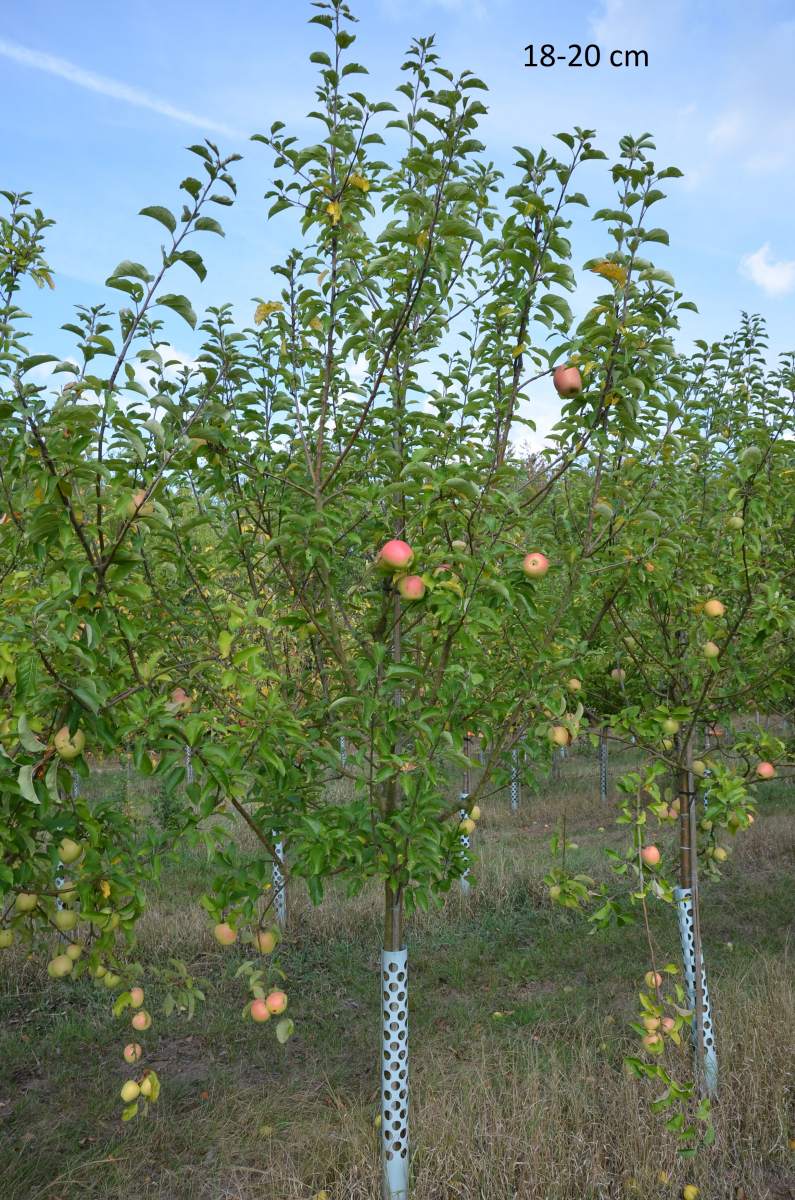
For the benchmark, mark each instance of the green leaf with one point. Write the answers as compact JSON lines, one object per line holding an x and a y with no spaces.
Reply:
{"x":25,"y":783}
{"x":284,"y":1030}
{"x":27,"y":737}
{"x":208,"y":225}
{"x":181,"y":305}
{"x":163,"y":215}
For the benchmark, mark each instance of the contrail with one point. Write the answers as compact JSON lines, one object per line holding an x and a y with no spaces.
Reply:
{"x":111,"y":87}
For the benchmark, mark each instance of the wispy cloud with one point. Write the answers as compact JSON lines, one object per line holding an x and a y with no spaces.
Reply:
{"x":775,"y":278}
{"x":112,"y":88}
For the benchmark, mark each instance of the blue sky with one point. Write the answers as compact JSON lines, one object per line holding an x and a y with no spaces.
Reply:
{"x":98,"y":102}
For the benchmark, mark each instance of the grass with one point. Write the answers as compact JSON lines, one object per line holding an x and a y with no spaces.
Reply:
{"x":531,"y":1105}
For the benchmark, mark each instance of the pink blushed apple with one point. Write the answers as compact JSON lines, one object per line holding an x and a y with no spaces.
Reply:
{"x":395,"y":554}
{"x":765,"y":770}
{"x":535,"y":565}
{"x":411,"y":587}
{"x":567,"y":381}
{"x":650,"y":855}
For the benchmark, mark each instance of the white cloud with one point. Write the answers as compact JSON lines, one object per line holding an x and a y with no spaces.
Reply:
{"x":775,"y":278}
{"x":64,"y":69}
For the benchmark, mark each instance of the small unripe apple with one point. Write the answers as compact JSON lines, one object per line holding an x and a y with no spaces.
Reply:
{"x":765,"y":770}
{"x":276,"y":1002}
{"x":6,"y":938}
{"x":710,"y":650}
{"x":474,"y":812}
{"x":141,"y":1021}
{"x":69,"y":746}
{"x":130,"y":1091}
{"x":574,"y":684}
{"x":395,"y":554}
{"x":266,"y":940}
{"x":74,"y":950}
{"x":132,"y":1052}
{"x":714,"y":608}
{"x":618,"y":674}
{"x":59,"y":966}
{"x":554,"y":891}
{"x":459,"y":544}
{"x":567,"y":381}
{"x":651,"y":1023}
{"x":147,"y":1087}
{"x":650,"y":855}
{"x":670,"y":726}
{"x":699,"y":766}
{"x":735,"y":522}
{"x":224,"y":933}
{"x":111,"y":981}
{"x":136,"y":997}
{"x":26,"y":902}
{"x":69,"y":851}
{"x":411,"y":587}
{"x":559,"y":735}
{"x":466,"y":827}
{"x":653,"y":979}
{"x":65,"y":919}
{"x":260,"y":1011}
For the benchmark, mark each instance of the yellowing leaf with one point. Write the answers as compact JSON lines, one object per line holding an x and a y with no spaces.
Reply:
{"x":517,"y":350}
{"x":316,"y":323}
{"x":263,"y":311}
{"x":610,"y":270}
{"x":224,"y":643}
{"x":104,"y":888}
{"x":334,"y":210}
{"x":422,"y":239}
{"x":359,"y":181}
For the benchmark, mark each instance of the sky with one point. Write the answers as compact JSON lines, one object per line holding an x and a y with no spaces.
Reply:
{"x":97,"y":105}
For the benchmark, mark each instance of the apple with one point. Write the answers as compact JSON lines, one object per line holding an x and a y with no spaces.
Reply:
{"x":650,"y":855}
{"x":395,"y":554}
{"x":111,"y":981}
{"x":651,"y":1023}
{"x":574,"y":685}
{"x":474,"y":812}
{"x":266,"y":940}
{"x":147,"y":1087}
{"x":735,"y":522}
{"x":721,"y":854}
{"x":69,"y":746}
{"x":710,"y":650}
{"x":411,"y":587}
{"x":59,"y":966}
{"x":141,"y":1021}
{"x":699,"y":766}
{"x":567,"y":381}
{"x":276,"y":1002}
{"x":535,"y":565}
{"x":130,"y":1091}
{"x":136,"y":997}
{"x":650,"y":567}
{"x":670,"y":725}
{"x":690,"y":1192}
{"x":714,"y":608}
{"x":74,"y":950}
{"x":554,"y":891}
{"x":652,"y":1040}
{"x":6,"y":938}
{"x":69,"y":851}
{"x":765,"y":770}
{"x":653,"y":979}
{"x":138,"y":505}
{"x":180,"y":700}
{"x":224,"y":933}
{"x":26,"y":902}
{"x":459,"y":544}
{"x":65,"y":919}
{"x":260,"y":1011}
{"x":559,"y":735}
{"x":618,"y":674}
{"x":466,"y":827}
{"x":132,"y":1052}
{"x":668,"y":1024}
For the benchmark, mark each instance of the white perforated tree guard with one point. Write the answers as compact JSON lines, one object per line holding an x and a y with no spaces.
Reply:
{"x":75,"y":785}
{"x":343,"y":750}
{"x":463,"y":813}
{"x":514,"y":780}
{"x":395,"y":1074}
{"x":709,"y":1067}
{"x":188,"y":764}
{"x":279,"y":890}
{"x":603,"y":768}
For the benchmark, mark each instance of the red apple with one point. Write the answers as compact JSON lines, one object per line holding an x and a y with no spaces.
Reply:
{"x":567,"y":381}
{"x":224,"y":933}
{"x":411,"y":587}
{"x":141,"y":1021}
{"x":652,"y":979}
{"x":535,"y":565}
{"x":276,"y":1002}
{"x":395,"y":554}
{"x":765,"y":770}
{"x":132,"y":1052}
{"x":136,"y":997}
{"x":260,"y":1011}
{"x":650,"y":855}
